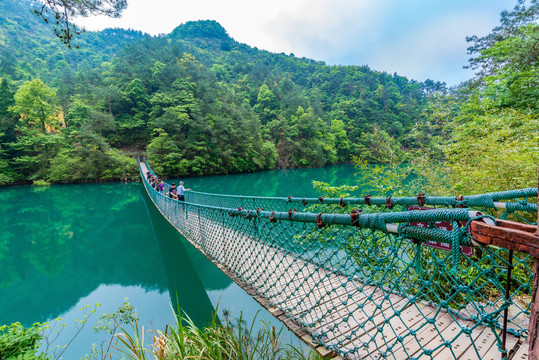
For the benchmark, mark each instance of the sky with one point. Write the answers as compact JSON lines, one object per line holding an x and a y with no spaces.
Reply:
{"x":419,"y":39}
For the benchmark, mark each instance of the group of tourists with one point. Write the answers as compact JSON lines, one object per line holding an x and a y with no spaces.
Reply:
{"x":177,"y":193}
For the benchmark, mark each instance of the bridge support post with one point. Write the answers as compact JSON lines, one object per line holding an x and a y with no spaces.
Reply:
{"x":533,"y":327}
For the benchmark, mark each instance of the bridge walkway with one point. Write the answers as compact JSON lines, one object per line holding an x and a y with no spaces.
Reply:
{"x":329,"y":310}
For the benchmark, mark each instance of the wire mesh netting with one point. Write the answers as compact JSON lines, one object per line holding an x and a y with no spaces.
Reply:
{"x":384,"y":281}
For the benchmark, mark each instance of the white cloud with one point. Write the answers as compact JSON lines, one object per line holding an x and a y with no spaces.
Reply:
{"x":419,"y":39}
{"x":436,"y":49}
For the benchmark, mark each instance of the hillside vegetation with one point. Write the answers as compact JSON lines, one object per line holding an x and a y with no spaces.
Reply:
{"x":199,"y":101}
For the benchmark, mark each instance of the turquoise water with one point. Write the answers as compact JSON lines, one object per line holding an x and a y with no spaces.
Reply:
{"x":288,"y":182}
{"x":66,"y":246}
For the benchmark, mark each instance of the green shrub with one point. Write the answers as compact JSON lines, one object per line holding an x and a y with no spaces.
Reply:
{"x":18,"y":342}
{"x":41,"y":183}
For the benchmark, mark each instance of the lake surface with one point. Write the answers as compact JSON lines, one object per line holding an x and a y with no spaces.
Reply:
{"x":67,"y":246}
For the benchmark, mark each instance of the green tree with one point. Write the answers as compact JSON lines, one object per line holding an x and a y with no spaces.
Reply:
{"x":493,"y":150}
{"x":5,"y":176}
{"x":338,"y":133}
{"x":33,"y":151}
{"x":511,"y":25}
{"x":99,"y":121}
{"x":6,"y":98}
{"x":379,"y":147}
{"x":35,"y":104}
{"x":265,"y":106}
{"x":7,"y":120}
{"x":164,"y":156}
{"x":61,"y":13}
{"x":507,"y":59}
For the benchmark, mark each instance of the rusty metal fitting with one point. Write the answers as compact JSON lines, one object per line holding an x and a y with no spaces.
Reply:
{"x":368,"y":199}
{"x":354,"y":215}
{"x":342,"y":203}
{"x":321,"y":199}
{"x":290,"y":198}
{"x":389,"y":205}
{"x":319,"y":222}
{"x":460,"y":201}
{"x":421,"y":199}
{"x":272,"y":217}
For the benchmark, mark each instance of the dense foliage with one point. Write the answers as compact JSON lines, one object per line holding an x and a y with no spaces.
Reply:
{"x":200,"y":102}
{"x":18,"y":342}
{"x":484,"y":136}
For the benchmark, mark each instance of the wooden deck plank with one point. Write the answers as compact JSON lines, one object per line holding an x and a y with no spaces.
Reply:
{"x":361,"y":321}
{"x":486,"y":340}
{"x":427,"y":333}
{"x":361,"y":306}
{"x":494,"y":353}
{"x":522,"y":352}
{"x":411,"y":319}
{"x":332,"y":322}
{"x":462,"y":341}
{"x":327,"y":313}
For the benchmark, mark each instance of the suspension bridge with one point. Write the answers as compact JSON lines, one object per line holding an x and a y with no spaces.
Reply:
{"x":379,"y":278}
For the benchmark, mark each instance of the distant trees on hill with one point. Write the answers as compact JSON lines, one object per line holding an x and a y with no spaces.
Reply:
{"x":216,"y":105}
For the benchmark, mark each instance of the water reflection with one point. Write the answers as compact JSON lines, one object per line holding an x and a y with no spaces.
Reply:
{"x":184,"y":285}
{"x":62,"y":242}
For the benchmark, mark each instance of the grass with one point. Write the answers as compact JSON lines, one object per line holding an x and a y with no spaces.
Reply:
{"x":216,"y":341}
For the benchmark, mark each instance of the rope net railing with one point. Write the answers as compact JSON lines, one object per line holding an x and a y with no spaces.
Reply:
{"x":399,"y":284}
{"x":501,"y":203}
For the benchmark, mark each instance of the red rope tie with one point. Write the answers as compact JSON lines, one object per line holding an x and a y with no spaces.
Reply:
{"x":272,"y":217}
{"x":319,"y":222}
{"x":368,"y":199}
{"x":389,"y":205}
{"x":354,"y":215}
{"x":321,"y":199}
{"x":342,"y":203}
{"x":421,"y":199}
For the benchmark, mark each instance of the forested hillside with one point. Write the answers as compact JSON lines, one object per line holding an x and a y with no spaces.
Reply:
{"x":197,"y":100}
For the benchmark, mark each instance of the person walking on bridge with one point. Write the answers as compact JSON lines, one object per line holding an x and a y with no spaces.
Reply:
{"x":160,"y":186}
{"x":180,"y":191}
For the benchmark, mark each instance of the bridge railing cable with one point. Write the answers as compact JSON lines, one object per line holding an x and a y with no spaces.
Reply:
{"x":400,"y":284}
{"x":510,"y":202}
